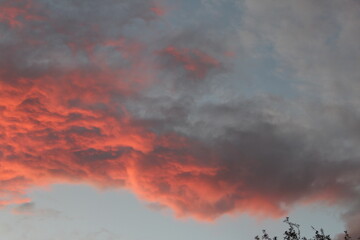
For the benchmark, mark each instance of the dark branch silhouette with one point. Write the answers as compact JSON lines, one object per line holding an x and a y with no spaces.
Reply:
{"x":293,"y":233}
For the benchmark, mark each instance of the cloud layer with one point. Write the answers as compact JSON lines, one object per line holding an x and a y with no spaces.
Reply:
{"x":131,"y":94}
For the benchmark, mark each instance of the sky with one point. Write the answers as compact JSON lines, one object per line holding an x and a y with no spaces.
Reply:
{"x":165,"y":119}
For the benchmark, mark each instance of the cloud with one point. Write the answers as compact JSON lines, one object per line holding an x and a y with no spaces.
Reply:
{"x":159,"y":9}
{"x":91,"y":95}
{"x":315,"y":41}
{"x":29,"y":208}
{"x":15,"y":13}
{"x":195,"y":62}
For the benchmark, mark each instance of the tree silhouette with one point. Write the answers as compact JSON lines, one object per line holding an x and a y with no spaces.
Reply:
{"x":293,"y":233}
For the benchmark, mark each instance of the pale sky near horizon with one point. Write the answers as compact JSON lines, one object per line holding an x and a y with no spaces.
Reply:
{"x":84,"y":213}
{"x":166,"y":119}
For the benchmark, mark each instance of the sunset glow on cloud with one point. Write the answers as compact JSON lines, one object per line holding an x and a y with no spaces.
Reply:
{"x":109,"y":94}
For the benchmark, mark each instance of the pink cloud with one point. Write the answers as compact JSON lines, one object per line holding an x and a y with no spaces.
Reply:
{"x":66,"y":117}
{"x":16,"y":12}
{"x":196,"y":62}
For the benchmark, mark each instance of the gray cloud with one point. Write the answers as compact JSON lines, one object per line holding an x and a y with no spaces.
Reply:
{"x":315,"y":40}
{"x":165,"y":108}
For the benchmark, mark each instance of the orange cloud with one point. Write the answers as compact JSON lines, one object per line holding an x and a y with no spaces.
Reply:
{"x":67,"y":94}
{"x":67,"y":129}
{"x":75,"y":128}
